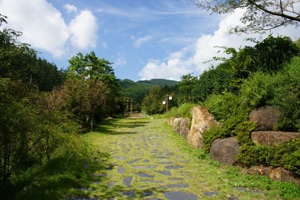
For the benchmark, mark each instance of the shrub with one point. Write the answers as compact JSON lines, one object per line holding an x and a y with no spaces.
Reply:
{"x":181,"y":111}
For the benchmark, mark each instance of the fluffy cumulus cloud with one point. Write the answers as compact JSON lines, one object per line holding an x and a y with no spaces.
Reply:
{"x":83,"y":29}
{"x":44,"y":27}
{"x":206,"y":47}
{"x":173,"y":68}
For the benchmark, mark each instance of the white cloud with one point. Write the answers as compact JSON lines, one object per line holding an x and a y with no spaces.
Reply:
{"x":139,"y":41}
{"x":120,"y":61}
{"x":205,"y":49}
{"x":83,"y":30}
{"x":175,"y":66}
{"x":70,"y":8}
{"x":44,"y":27}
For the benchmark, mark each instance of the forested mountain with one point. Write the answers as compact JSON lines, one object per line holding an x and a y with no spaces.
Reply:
{"x":127,"y":83}
{"x":136,"y":91}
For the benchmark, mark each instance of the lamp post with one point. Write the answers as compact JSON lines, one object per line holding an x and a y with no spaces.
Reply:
{"x":127,"y":107}
{"x":168,"y":98}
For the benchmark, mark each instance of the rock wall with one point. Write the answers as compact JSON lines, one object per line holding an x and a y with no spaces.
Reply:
{"x":279,"y":173}
{"x":225,"y":150}
{"x":272,"y":138}
{"x":184,"y":127}
{"x":266,"y":117}
{"x":202,"y":120}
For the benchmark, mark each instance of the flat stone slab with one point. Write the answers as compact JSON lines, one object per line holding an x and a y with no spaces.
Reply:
{"x":144,"y":166}
{"x":165,"y":172}
{"x":166,"y":163}
{"x":173,"y":167}
{"x":180,"y":196}
{"x":134,"y":161}
{"x":179,"y":185}
{"x":145,"y":175}
{"x":211,"y":194}
{"x":243,"y":189}
{"x":129,"y":194}
{"x":127,"y":181}
{"x":121,"y":170}
{"x":119,"y":158}
{"x":175,"y":179}
{"x":147,"y":193}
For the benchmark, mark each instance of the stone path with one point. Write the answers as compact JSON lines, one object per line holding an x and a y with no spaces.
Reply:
{"x":147,"y":164}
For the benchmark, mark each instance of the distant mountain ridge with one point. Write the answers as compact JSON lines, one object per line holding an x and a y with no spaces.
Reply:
{"x":127,"y":83}
{"x":139,"y":89}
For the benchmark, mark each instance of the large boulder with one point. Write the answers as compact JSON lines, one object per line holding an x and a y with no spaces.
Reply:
{"x":176,"y":124}
{"x":202,"y":120}
{"x":184,"y":127}
{"x":225,"y":150}
{"x":272,"y":138}
{"x":279,"y":173}
{"x":170,"y":121}
{"x":266,"y":117}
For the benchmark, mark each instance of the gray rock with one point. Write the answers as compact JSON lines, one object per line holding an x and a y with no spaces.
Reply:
{"x":272,"y":138}
{"x":176,"y":124}
{"x":180,"y":196}
{"x":184,"y":127}
{"x":266,"y":117}
{"x":225,"y":150}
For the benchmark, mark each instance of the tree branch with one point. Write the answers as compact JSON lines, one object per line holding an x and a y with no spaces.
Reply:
{"x":297,"y":18}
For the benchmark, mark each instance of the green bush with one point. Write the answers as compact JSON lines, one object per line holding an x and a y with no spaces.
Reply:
{"x":181,"y":111}
{"x":231,"y":113}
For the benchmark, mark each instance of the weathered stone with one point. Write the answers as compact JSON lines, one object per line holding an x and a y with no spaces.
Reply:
{"x":176,"y":124}
{"x":279,"y":173}
{"x":266,"y":117}
{"x":272,"y":138}
{"x":202,"y":120}
{"x":224,"y":150}
{"x":170,"y":121}
{"x":184,"y":127}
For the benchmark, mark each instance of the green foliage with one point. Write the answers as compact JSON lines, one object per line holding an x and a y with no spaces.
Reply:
{"x":257,"y":76}
{"x":185,"y":88}
{"x":89,"y":66}
{"x":30,"y":133}
{"x":258,"y":90}
{"x":85,"y":98}
{"x":152,"y":104}
{"x":183,"y":111}
{"x":212,"y":81}
{"x":137,"y":91}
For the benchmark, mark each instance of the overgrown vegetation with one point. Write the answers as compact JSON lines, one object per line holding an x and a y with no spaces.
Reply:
{"x":42,"y":112}
{"x":264,"y":75}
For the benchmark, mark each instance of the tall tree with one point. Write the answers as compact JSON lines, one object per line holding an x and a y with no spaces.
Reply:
{"x":260,"y":15}
{"x":185,"y":87}
{"x":96,"y":76}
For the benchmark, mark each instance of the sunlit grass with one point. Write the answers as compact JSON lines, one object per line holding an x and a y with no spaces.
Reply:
{"x":130,"y":143}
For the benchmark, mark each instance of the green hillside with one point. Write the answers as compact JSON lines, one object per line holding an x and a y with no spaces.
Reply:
{"x":127,"y":83}
{"x":136,"y":91}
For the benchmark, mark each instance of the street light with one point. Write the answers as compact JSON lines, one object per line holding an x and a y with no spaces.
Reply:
{"x":166,"y":102}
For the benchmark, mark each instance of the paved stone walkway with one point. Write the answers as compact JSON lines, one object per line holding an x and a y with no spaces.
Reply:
{"x":146,"y":164}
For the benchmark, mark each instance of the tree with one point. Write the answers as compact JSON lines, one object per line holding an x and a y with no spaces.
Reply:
{"x":185,"y":87}
{"x":86,"y":98}
{"x":260,"y":15}
{"x":152,"y":103}
{"x":20,"y":62}
{"x":90,"y":66}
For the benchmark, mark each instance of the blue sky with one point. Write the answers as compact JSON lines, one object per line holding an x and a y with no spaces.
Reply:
{"x":144,"y":39}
